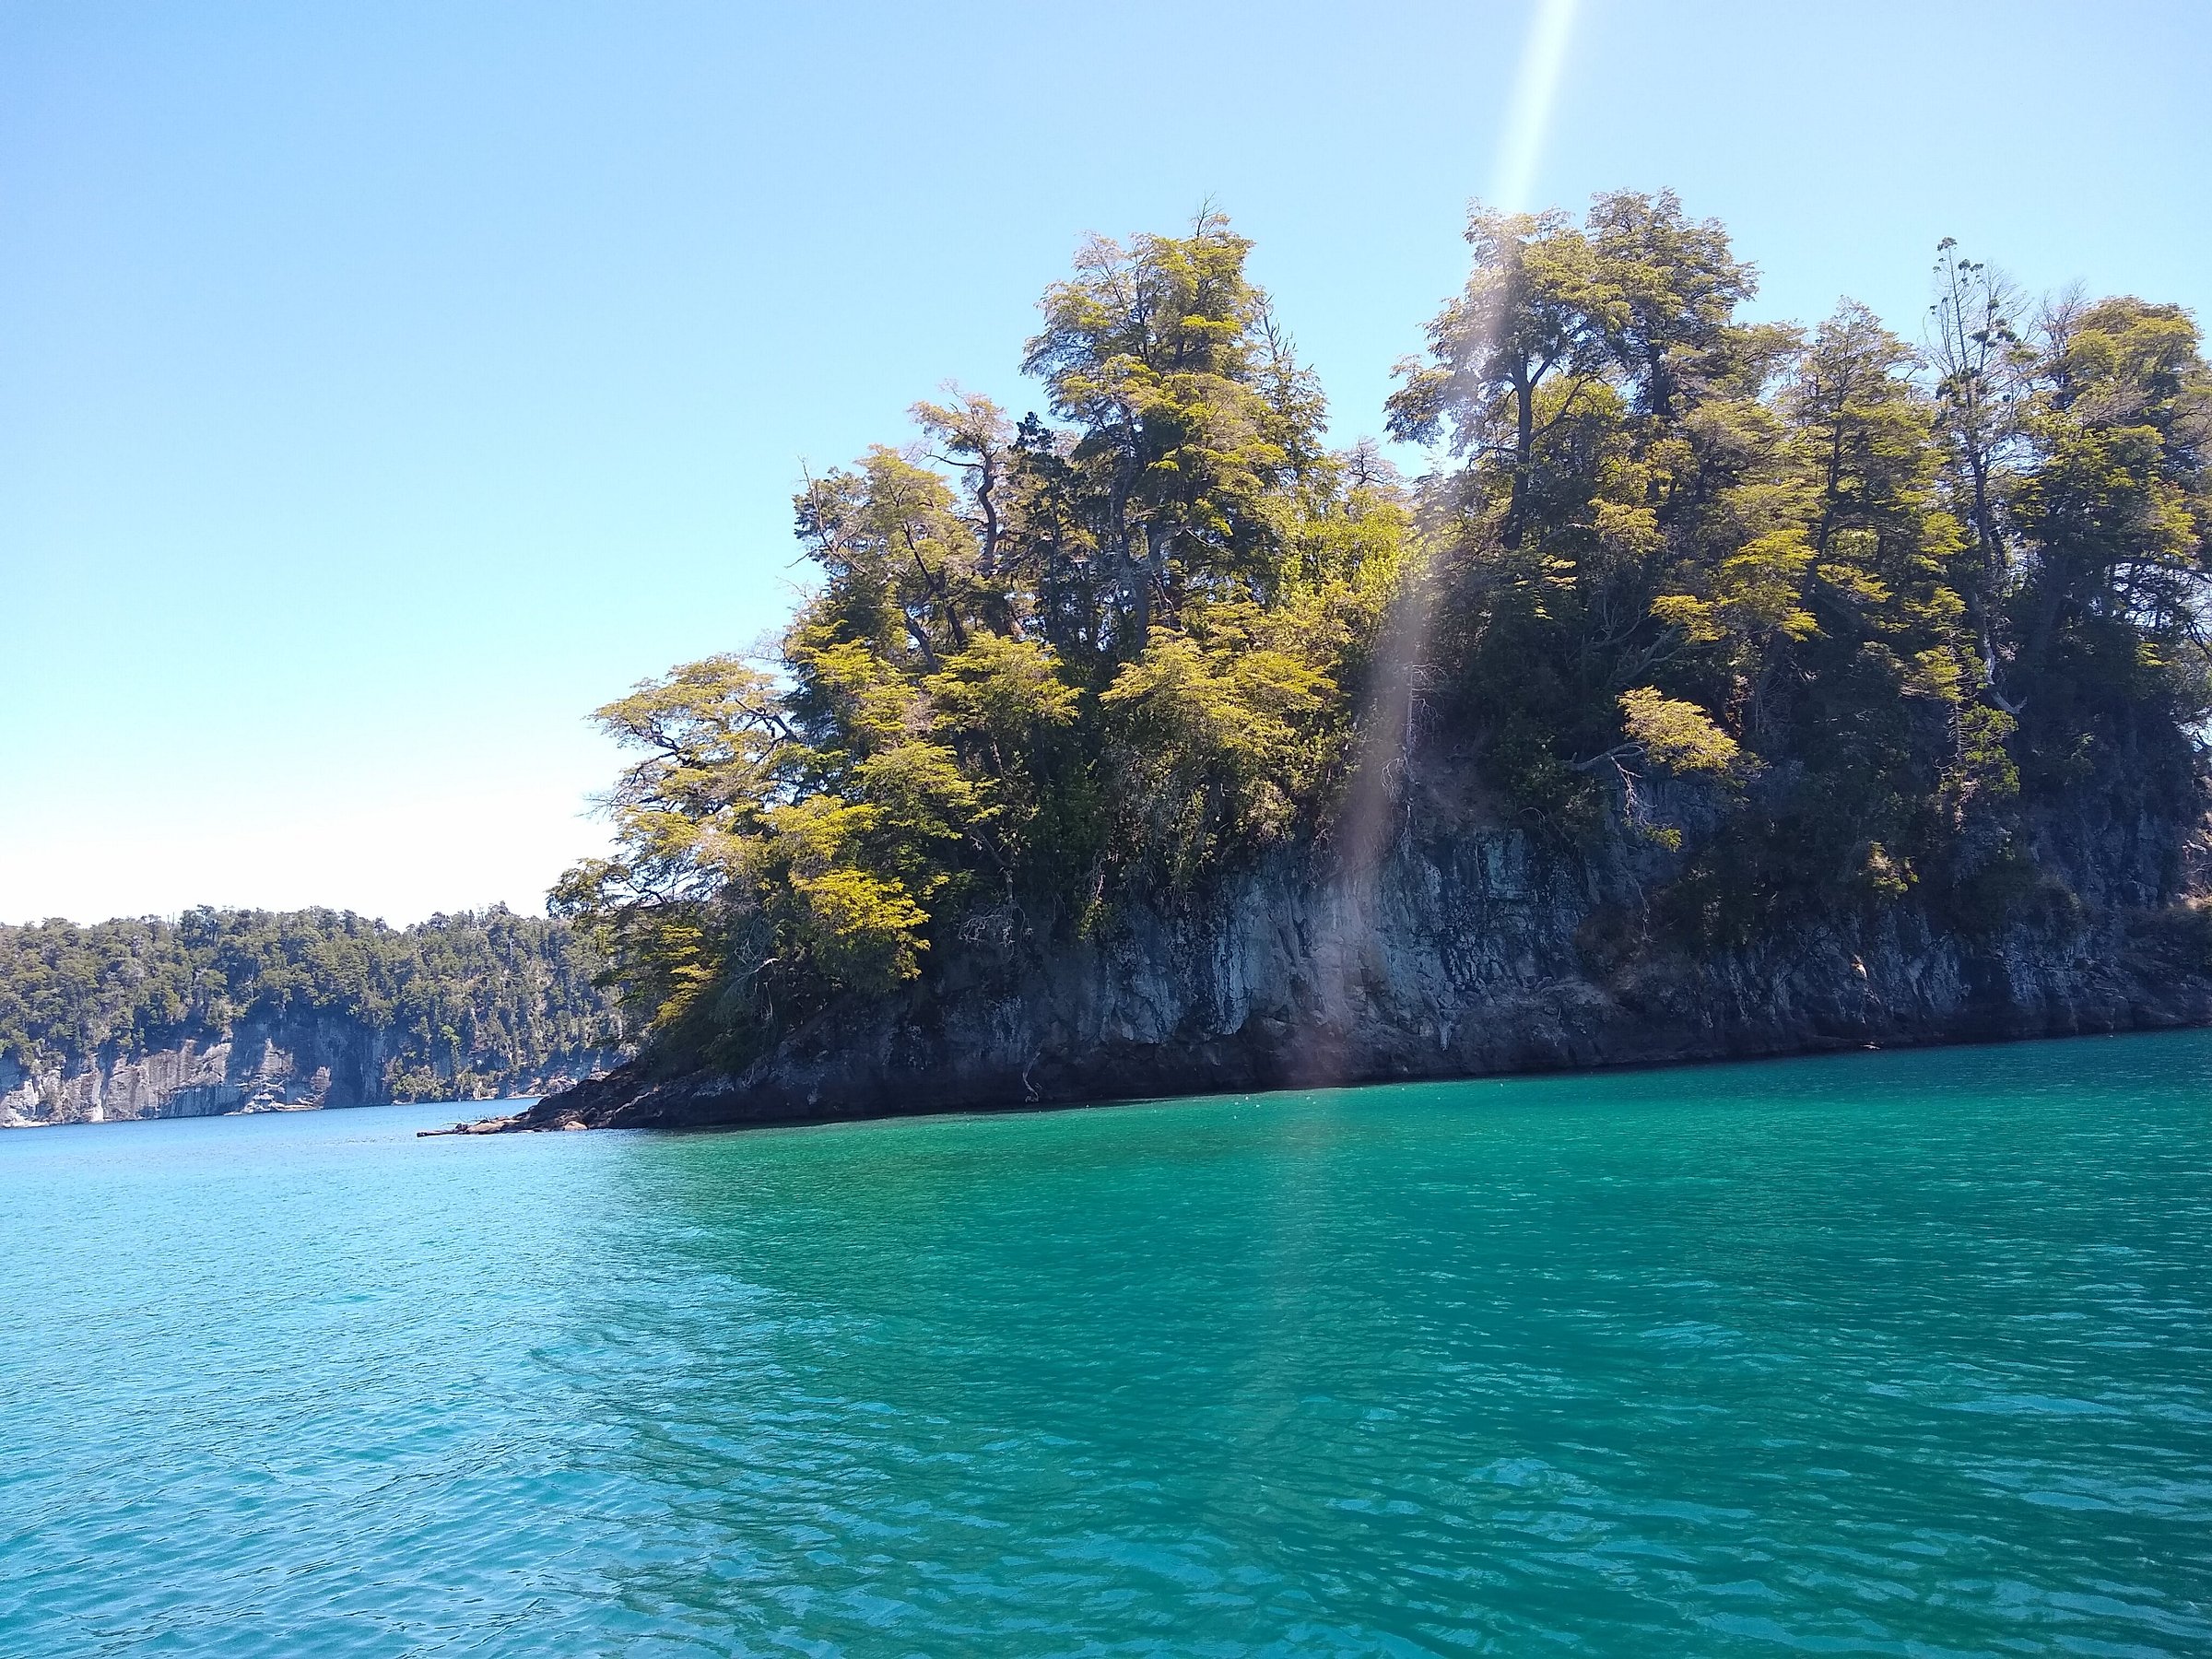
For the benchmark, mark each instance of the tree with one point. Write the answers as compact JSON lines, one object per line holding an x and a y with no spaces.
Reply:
{"x":1189,"y":424}
{"x":1668,"y":289}
{"x":1524,"y":320}
{"x":1978,"y":357}
{"x":1734,"y":589}
{"x":2113,"y":506}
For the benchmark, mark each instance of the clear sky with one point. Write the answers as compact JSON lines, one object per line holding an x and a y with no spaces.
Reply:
{"x":382,"y":387}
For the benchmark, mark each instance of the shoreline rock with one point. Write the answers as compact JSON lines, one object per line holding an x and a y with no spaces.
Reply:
{"x":1464,"y":951}
{"x":303,"y":1062}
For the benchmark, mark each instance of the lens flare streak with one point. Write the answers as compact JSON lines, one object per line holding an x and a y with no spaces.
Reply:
{"x":1343,"y":942}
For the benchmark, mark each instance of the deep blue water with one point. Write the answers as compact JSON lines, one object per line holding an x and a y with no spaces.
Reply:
{"x":1896,"y":1354}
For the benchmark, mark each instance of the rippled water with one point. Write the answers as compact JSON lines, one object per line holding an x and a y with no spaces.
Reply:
{"x":1890,"y":1354}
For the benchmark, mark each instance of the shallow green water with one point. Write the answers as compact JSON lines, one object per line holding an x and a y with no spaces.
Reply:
{"x":1887,"y":1354}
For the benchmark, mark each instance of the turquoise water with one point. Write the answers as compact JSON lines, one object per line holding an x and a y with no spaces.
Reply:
{"x":1900,"y":1354}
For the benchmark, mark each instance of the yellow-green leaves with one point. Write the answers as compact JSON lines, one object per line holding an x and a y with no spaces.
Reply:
{"x":922,"y":792}
{"x":901,"y":560}
{"x":1222,"y":738}
{"x":1627,"y":529}
{"x":860,"y":930}
{"x":840,"y":877}
{"x":1002,"y":688}
{"x":850,"y":686}
{"x":712,"y":731}
{"x":1097,"y":655}
{"x":1760,"y":587}
{"x":1758,"y":595}
{"x":1675,"y":734}
{"x":1698,"y":620}
{"x":1192,"y":426}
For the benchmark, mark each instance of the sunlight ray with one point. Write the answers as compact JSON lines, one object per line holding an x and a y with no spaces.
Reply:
{"x":1388,"y":723}
{"x":1528,"y":111}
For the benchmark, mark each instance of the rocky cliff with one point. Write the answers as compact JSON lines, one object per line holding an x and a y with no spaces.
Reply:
{"x":1463,"y":948}
{"x":299,"y":1064}
{"x":221,"y":1011}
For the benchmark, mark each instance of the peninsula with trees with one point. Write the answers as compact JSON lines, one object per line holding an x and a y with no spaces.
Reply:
{"x":1721,"y":688}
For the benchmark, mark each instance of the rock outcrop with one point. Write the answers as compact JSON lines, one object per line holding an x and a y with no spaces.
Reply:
{"x":286,"y":1064}
{"x":1461,"y":949}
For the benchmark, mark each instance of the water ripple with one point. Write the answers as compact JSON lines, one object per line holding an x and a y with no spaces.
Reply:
{"x":1888,"y":1355}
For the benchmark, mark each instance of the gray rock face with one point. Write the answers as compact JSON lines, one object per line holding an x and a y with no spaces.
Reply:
{"x":287,"y":1065}
{"x":1460,"y":949}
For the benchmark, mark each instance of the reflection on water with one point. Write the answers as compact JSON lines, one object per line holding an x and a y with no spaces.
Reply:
{"x":1887,"y":1354}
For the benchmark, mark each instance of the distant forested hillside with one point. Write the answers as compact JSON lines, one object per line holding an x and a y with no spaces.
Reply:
{"x":457,"y":1006}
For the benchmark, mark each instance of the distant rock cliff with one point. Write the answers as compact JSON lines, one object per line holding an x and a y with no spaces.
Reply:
{"x":1464,"y":949}
{"x":332,"y":1060}
{"x":242,"y":1011}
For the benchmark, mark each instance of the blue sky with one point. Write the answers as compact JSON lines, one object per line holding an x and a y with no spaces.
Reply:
{"x":382,"y":387}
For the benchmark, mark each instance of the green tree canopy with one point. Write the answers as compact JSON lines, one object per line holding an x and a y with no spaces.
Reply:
{"x":1849,"y":610}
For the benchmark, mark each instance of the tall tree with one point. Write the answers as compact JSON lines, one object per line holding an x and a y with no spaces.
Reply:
{"x":1665,"y":296}
{"x":1522,"y":328}
{"x":2115,"y":508}
{"x":1977,"y":355}
{"x":1189,"y":420}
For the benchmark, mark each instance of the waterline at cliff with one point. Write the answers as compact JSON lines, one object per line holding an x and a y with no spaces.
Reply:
{"x":1465,"y":951}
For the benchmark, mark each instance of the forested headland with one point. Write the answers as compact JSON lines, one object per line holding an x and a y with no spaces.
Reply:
{"x":1703,"y":653}
{"x":220,"y":1010}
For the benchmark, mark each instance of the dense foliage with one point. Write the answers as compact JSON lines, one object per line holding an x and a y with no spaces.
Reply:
{"x":1867,"y":605}
{"x":472,"y":998}
{"x":1050,"y":662}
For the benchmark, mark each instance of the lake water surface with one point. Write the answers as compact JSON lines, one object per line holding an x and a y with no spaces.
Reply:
{"x":1896,"y":1354}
